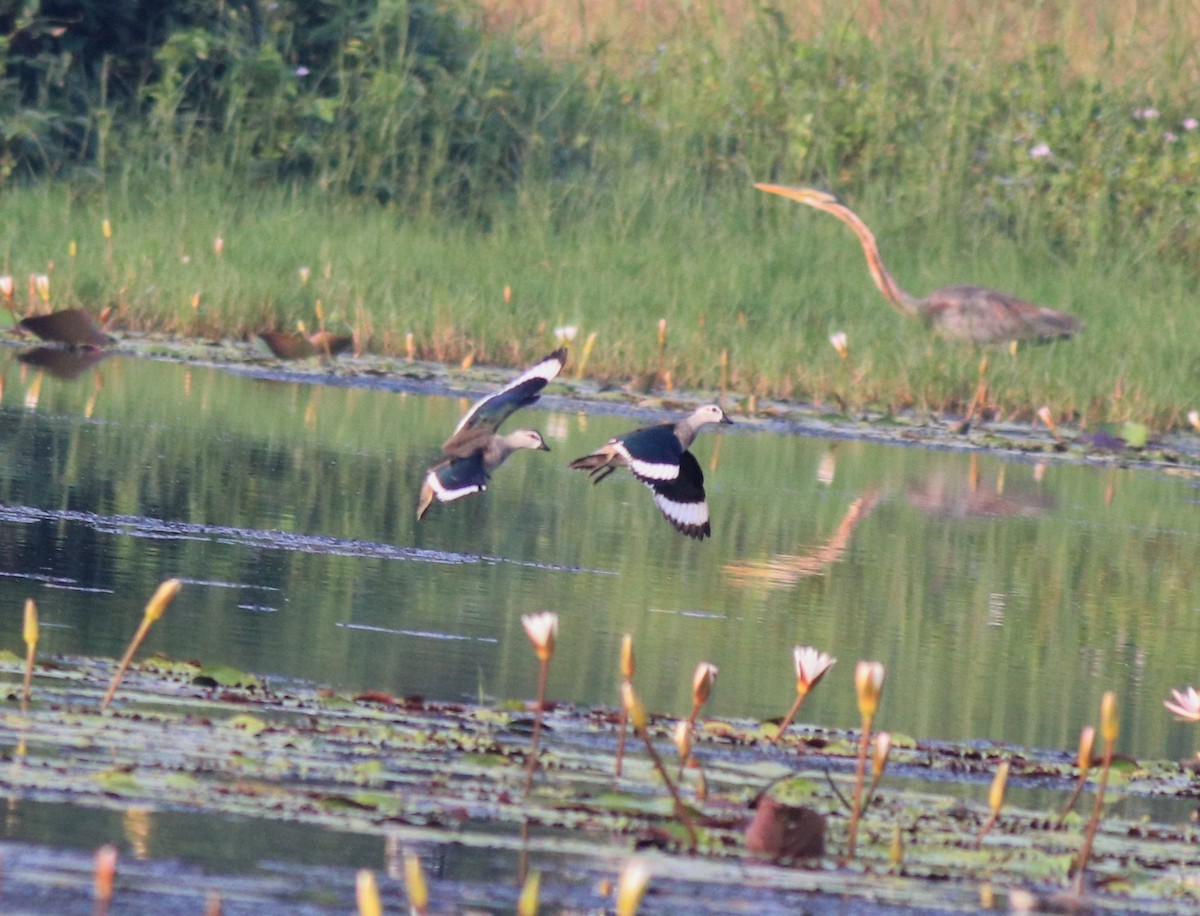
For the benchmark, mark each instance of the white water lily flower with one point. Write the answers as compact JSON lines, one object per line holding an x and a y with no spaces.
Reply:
{"x":840,"y":343}
{"x":811,"y":665}
{"x":1186,"y":705}
{"x":542,"y":630}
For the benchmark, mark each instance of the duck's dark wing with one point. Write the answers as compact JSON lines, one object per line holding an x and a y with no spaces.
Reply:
{"x":489,"y":412}
{"x":681,"y":499}
{"x":653,"y":453}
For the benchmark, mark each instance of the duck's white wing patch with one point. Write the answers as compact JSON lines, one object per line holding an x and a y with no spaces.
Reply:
{"x":683,"y":515}
{"x":644,"y":470}
{"x":447,"y":494}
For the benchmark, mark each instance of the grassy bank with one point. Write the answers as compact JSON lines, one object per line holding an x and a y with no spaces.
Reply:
{"x":604,"y":179}
{"x":732,"y":272}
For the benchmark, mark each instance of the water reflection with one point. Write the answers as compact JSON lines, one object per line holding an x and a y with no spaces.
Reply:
{"x":1003,"y":599}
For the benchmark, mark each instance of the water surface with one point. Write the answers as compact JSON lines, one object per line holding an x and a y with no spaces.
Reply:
{"x":1004,"y":597}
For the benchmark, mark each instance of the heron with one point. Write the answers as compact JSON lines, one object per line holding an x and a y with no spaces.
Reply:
{"x":958,"y":312}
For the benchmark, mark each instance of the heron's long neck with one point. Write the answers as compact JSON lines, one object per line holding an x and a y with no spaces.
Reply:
{"x":899,"y":299}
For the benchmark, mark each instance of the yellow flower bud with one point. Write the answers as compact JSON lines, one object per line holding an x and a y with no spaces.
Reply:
{"x":879,"y":757}
{"x":627,"y":665}
{"x":31,"y":623}
{"x":702,"y":682}
{"x":999,"y":783}
{"x":1110,"y":718}
{"x":527,"y":903}
{"x":631,"y":887}
{"x":165,"y":594}
{"x":414,"y":881}
{"x":868,"y":682}
{"x":634,"y":708}
{"x":367,"y":893}
{"x":1087,"y":741}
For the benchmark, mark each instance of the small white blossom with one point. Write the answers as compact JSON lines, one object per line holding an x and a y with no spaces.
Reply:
{"x":1186,"y":705}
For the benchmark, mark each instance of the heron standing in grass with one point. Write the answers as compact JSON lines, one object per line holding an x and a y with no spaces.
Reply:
{"x":960,"y":312}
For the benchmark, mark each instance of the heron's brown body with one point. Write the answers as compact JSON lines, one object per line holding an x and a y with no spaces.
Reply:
{"x":958,"y":312}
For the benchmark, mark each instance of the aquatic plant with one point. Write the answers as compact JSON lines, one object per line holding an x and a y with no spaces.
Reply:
{"x":995,"y":801}
{"x":527,"y":902}
{"x":631,"y":886}
{"x":640,"y":720}
{"x":366,"y":893}
{"x":811,"y":665}
{"x":542,"y":630}
{"x":155,"y":608}
{"x":30,"y":634}
{"x":1109,"y":729}
{"x":415,"y":884}
{"x":868,"y":684}
{"x":104,"y":873}
{"x":703,"y":679}
{"x":1083,"y":760}
{"x":628,"y":667}
{"x":1185,"y":704}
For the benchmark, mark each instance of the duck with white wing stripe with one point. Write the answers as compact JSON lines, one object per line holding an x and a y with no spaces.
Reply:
{"x":658,"y":456}
{"x":475,"y":449}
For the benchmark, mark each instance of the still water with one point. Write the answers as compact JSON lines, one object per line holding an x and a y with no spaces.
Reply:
{"x":1003,"y":597}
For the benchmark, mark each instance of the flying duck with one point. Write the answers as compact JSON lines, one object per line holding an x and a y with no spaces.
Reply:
{"x":658,"y":456}
{"x":475,"y":450}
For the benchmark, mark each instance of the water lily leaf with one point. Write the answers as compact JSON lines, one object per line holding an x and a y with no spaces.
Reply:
{"x":1134,"y":434}
{"x":118,"y":782}
{"x":225,"y":676}
{"x":627,"y":802}
{"x":247,"y":723}
{"x":795,"y":791}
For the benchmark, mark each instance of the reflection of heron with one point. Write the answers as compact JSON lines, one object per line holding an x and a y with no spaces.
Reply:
{"x":786,"y":570}
{"x":961,"y":312}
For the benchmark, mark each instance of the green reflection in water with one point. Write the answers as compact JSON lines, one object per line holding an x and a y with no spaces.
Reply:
{"x":1003,"y":601}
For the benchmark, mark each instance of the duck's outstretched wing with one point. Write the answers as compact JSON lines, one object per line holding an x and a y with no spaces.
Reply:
{"x":681,"y":498}
{"x":489,"y":412}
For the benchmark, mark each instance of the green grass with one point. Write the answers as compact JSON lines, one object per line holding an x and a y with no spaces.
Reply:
{"x":608,"y":184}
{"x":731,"y":271}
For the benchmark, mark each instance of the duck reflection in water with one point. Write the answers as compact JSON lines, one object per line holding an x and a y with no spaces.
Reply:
{"x":63,"y":364}
{"x":949,"y":495}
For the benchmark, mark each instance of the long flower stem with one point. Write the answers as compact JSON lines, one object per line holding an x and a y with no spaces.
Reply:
{"x":787,"y":720}
{"x":1079,"y":784}
{"x":622,"y":723}
{"x":543,"y":676}
{"x":142,"y":630}
{"x":680,"y":810}
{"x":860,"y":772}
{"x":1085,"y":851}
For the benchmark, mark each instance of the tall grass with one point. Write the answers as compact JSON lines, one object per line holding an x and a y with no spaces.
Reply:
{"x":601,"y":169}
